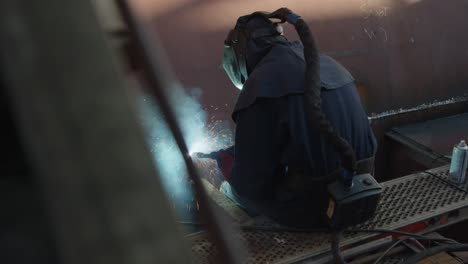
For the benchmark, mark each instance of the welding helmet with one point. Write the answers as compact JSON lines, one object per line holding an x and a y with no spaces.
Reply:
{"x":235,"y":45}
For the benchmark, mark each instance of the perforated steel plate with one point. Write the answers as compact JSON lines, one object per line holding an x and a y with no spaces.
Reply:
{"x":414,"y":198}
{"x":405,"y":201}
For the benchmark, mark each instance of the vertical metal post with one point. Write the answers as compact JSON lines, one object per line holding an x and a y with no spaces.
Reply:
{"x":82,"y":137}
{"x":160,"y":78}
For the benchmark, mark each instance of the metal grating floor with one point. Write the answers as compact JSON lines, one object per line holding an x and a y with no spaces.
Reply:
{"x":405,"y":201}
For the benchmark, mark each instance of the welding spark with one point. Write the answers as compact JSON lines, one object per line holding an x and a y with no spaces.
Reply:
{"x":199,"y":135}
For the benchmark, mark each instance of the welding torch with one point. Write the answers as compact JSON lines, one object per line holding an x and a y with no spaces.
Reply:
{"x":215,"y":155}
{"x":201,"y":155}
{"x":224,"y":158}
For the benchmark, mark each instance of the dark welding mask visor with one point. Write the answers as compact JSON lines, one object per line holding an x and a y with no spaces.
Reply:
{"x":234,"y":60}
{"x":235,"y":68}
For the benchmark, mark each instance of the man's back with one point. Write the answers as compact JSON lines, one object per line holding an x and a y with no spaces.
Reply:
{"x":274,"y":143}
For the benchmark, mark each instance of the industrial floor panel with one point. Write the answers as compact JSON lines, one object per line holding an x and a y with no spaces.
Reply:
{"x":405,"y":201}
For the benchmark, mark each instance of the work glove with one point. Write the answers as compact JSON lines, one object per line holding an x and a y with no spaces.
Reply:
{"x":224,"y":158}
{"x":284,"y":14}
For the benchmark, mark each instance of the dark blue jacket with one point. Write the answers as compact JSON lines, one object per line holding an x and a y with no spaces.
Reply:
{"x":273,"y":140}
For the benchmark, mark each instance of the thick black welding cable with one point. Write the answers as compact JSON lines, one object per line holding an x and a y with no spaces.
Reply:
{"x":445,"y":181}
{"x":312,"y":103}
{"x":312,"y":97}
{"x":282,"y":229}
{"x":434,"y":251}
{"x":158,"y":79}
{"x":392,"y":246}
{"x":336,"y":251}
{"x":397,"y":232}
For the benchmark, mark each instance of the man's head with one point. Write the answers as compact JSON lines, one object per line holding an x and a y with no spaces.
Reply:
{"x":246,"y":44}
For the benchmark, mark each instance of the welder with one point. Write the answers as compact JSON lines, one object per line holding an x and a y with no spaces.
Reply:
{"x":280,"y":164}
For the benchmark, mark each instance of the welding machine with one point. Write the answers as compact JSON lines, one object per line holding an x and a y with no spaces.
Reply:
{"x":352,"y":204}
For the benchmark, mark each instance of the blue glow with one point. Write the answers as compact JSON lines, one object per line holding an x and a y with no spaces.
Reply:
{"x":199,"y":135}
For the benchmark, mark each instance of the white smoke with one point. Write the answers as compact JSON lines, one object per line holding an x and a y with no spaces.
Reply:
{"x":198,"y":136}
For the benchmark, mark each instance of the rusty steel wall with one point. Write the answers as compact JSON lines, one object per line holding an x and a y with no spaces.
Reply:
{"x":402,"y":52}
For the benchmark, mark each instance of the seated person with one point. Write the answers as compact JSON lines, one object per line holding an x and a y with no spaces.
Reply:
{"x":274,"y":144}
